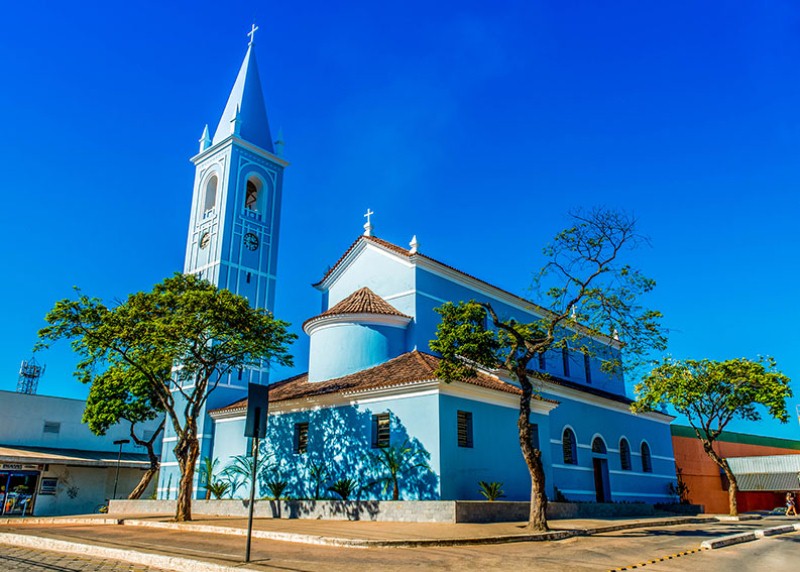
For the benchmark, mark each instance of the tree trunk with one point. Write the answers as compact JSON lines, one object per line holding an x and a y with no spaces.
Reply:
{"x":733,"y":486}
{"x":733,"y":489}
{"x":537,"y":518}
{"x":148,"y":475}
{"x":155,"y":462}
{"x":186,"y":451}
{"x":395,"y":489}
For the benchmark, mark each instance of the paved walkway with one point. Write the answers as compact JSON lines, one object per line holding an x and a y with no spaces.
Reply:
{"x":13,"y":558}
{"x":199,"y":551}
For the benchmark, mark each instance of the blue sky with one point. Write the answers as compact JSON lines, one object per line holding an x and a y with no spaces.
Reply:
{"x":475,"y":129}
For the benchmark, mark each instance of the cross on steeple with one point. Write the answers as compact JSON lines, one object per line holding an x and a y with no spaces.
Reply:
{"x":252,"y":34}
{"x":368,"y":226}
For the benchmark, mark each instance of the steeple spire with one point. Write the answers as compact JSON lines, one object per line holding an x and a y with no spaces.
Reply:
{"x":247,"y":99}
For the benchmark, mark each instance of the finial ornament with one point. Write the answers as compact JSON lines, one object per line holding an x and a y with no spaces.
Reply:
{"x":252,"y":34}
{"x":368,"y":225}
{"x":414,"y":244}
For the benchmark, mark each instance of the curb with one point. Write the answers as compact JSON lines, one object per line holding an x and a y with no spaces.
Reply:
{"x":749,"y":536}
{"x":174,"y":563}
{"x":413,"y":543}
{"x":57,"y":520}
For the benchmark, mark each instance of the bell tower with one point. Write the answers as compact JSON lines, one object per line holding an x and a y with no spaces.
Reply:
{"x":235,"y":216}
{"x":233,"y":231}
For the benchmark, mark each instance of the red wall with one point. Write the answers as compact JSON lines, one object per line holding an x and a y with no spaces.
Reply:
{"x":701,"y":475}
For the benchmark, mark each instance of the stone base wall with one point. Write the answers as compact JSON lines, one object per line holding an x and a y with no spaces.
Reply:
{"x":394,"y":511}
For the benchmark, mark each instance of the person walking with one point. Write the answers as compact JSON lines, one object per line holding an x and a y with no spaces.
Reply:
{"x":790,"y":508}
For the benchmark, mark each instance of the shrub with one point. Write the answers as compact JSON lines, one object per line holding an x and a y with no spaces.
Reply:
{"x":492,"y":491}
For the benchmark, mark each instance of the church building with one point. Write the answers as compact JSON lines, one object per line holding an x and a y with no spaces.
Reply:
{"x":370,"y":386}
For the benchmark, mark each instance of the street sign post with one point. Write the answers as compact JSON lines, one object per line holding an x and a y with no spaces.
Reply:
{"x":255,"y":427}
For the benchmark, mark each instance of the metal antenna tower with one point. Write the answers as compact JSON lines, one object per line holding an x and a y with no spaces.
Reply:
{"x":29,"y":374}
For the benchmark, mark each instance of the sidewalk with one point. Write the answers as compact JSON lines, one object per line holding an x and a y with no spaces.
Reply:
{"x":367,"y":533}
{"x":217,"y":544}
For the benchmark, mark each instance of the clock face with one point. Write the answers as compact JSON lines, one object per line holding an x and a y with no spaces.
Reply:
{"x":205,"y":239}
{"x":251,"y":241}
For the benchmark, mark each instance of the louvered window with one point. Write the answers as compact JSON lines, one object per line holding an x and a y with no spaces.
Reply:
{"x":570,"y":447}
{"x":465,"y":429}
{"x":625,"y":454}
{"x":587,"y":365}
{"x":381,"y":434}
{"x":52,"y":427}
{"x":647,"y":462}
{"x":565,"y":360}
{"x":300,"y":438}
{"x":598,"y":446}
{"x":535,"y":435}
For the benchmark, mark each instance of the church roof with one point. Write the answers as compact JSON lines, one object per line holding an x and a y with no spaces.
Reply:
{"x":407,"y":254}
{"x":406,"y":369}
{"x":247,"y":100}
{"x":362,"y":301}
{"x":415,"y":255}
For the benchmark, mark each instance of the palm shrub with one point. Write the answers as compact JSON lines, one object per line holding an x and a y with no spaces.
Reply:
{"x":218,"y":488}
{"x":398,"y":460}
{"x":241,"y":469}
{"x":319,"y":474}
{"x":276,"y":488}
{"x":206,"y":474}
{"x":344,"y":488}
{"x":492,"y":491}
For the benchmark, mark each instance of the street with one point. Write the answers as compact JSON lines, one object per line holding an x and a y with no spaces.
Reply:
{"x":610,"y":551}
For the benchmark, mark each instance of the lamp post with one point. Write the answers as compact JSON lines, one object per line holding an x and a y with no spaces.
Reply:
{"x":119,"y":442}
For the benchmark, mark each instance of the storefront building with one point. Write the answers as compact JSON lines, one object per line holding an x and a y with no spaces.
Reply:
{"x":51,"y":464}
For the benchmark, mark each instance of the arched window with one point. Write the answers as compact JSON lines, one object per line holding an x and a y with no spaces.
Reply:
{"x":252,"y":194}
{"x":598,"y":446}
{"x":211,"y":194}
{"x":625,"y":454}
{"x":570,"y":446}
{"x":647,"y":462}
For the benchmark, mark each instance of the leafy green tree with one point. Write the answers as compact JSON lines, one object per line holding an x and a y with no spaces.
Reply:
{"x":185,"y":322}
{"x":124,"y":395}
{"x":397,"y":460}
{"x":711,"y":394}
{"x":592,"y":308}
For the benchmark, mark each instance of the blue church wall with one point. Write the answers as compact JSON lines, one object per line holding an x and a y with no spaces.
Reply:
{"x":383,"y":274}
{"x":495,"y":454}
{"x":340,"y":439}
{"x":432,"y":290}
{"x":344,"y":348}
{"x":576,"y":481}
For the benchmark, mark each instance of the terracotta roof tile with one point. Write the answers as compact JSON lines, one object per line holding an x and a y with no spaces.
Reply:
{"x":363,"y":301}
{"x":409,"y":368}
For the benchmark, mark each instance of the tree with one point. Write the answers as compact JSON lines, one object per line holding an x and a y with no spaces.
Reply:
{"x":592,"y":308}
{"x":711,"y":394}
{"x":117,"y":395}
{"x":181,"y":338}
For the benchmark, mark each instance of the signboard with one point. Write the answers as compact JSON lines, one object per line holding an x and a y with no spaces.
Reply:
{"x":257,"y":407}
{"x":48,"y":486}
{"x":19,"y":467}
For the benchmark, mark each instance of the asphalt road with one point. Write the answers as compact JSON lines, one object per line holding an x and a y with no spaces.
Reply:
{"x":602,"y":552}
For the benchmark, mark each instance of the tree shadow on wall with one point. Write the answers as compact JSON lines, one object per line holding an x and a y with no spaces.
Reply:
{"x":339,"y":446}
